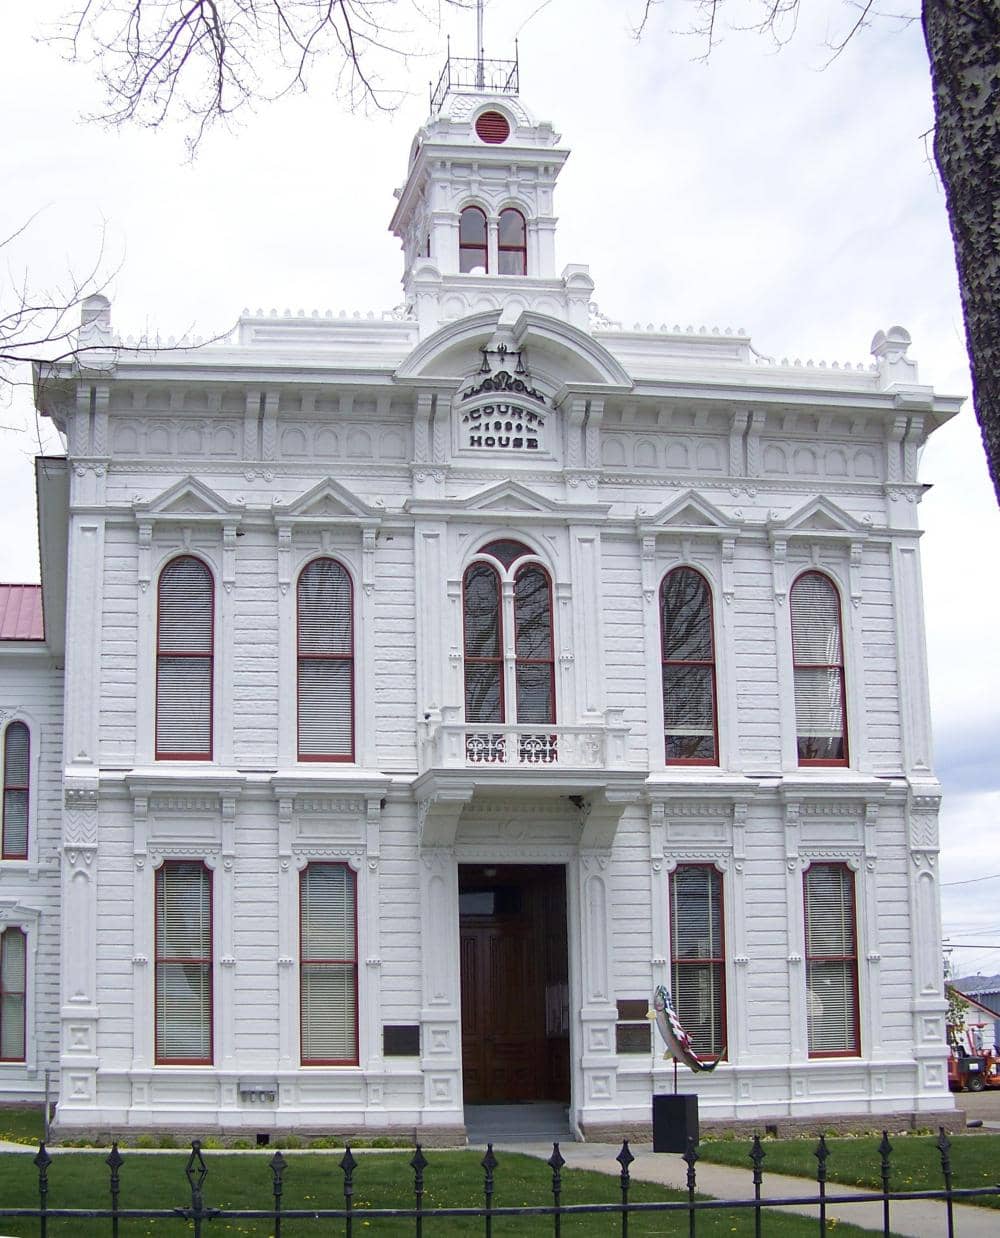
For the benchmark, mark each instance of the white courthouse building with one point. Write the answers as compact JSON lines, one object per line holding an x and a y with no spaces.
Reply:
{"x":417,"y":692}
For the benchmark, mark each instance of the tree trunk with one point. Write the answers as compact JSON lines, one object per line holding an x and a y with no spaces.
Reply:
{"x":963,"y":43}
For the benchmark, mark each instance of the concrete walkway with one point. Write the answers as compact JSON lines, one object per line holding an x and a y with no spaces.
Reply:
{"x":915,"y":1219}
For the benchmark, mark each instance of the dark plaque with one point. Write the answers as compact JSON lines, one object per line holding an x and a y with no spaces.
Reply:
{"x":401,"y":1040}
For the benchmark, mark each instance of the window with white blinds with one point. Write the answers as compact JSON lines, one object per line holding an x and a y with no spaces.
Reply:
{"x":183,"y":963}
{"x":688,"y":654}
{"x":184,"y":656}
{"x":698,"y":955}
{"x":818,"y":657}
{"x":13,"y":991}
{"x":325,"y":662}
{"x":16,"y":764}
{"x":328,"y":971}
{"x":831,"y":961}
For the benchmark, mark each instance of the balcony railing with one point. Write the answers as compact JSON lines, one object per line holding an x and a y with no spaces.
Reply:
{"x":494,"y":77}
{"x":453,"y":744}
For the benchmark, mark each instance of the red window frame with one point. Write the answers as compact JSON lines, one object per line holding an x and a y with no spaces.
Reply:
{"x":717,"y":962}
{"x":822,"y":666}
{"x":497,"y":659}
{"x":203,"y":961}
{"x":5,"y":852}
{"x":708,"y":664}
{"x":317,"y":657}
{"x":162,"y":754}
{"x":548,"y":661}
{"x":470,"y":247}
{"x":6,"y":992}
{"x":304,"y":961}
{"x":850,"y":960}
{"x":507,"y":248}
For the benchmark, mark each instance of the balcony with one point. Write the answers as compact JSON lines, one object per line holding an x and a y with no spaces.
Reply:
{"x":451,"y":743}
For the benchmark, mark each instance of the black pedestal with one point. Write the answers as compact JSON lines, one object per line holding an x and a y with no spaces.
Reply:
{"x":675,"y":1121}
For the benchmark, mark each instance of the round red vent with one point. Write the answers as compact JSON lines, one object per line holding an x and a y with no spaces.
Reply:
{"x":493,"y":127}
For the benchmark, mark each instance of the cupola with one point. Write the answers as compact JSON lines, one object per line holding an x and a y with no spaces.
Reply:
{"x":475,"y":214}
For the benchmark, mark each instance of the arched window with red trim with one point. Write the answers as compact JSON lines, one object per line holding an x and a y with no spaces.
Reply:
{"x":13,"y":994}
{"x":16,"y":790}
{"x":185,"y":637}
{"x":473,"y":246}
{"x":325,"y":600}
{"x":512,"y":256}
{"x":690,"y":728}
{"x":818,"y":660}
{"x":524,"y":674}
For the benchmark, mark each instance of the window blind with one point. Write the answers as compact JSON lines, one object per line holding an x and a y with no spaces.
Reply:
{"x":817,"y":654}
{"x":831,"y":960}
{"x":185,"y":635}
{"x":16,"y":763}
{"x":325,"y":662}
{"x":13,"y":988}
{"x":183,"y":962}
{"x":698,"y":969}
{"x":328,"y":970}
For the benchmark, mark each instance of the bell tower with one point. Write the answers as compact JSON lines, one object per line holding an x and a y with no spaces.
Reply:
{"x":475,"y":215}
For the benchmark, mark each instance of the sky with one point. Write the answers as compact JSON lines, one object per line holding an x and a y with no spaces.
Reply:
{"x":758,"y":188}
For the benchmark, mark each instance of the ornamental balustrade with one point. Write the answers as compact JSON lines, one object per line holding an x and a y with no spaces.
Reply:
{"x":452,"y":743}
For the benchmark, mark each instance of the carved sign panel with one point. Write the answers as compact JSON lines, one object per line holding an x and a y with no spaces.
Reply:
{"x":501,"y":410}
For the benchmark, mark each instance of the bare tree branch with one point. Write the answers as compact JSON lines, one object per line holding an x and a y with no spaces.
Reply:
{"x":203,"y":61}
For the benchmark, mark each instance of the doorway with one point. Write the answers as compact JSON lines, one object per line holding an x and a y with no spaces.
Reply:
{"x":515,"y":990}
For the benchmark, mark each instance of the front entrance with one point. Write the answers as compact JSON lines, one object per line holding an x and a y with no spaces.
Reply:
{"x":515,"y":992}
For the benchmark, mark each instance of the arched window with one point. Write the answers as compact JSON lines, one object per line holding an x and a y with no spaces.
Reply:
{"x":831,"y":961}
{"x":525,"y":674}
{"x":690,"y":732}
{"x":473,"y":250}
{"x":13,"y":993}
{"x":184,"y":661}
{"x":513,"y":248}
{"x":16,"y":765}
{"x":325,"y":662}
{"x":183,"y":962}
{"x":328,"y":965}
{"x":818,"y":658}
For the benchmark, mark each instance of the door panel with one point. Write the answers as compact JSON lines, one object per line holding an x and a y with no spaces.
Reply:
{"x":512,"y":950}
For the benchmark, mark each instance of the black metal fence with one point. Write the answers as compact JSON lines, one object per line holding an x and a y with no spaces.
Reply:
{"x":197,"y":1212}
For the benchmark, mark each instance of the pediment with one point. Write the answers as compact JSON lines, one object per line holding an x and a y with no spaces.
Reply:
{"x":328,"y":501}
{"x":819,"y":517}
{"x":511,"y":499}
{"x":188,"y":499}
{"x":689,"y":513}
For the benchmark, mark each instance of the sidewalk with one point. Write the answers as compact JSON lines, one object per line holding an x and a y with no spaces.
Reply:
{"x":923,"y":1218}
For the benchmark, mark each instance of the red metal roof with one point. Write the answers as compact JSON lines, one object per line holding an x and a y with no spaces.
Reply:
{"x":21,"y":612}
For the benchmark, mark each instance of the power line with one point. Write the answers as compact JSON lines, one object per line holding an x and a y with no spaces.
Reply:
{"x":973,"y":945}
{"x":971,"y":880}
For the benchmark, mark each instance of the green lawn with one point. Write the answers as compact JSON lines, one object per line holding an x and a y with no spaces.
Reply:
{"x":916,"y":1161}
{"x":21,"y":1125}
{"x":381,"y":1180}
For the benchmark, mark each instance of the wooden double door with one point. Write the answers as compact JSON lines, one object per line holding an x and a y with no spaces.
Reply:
{"x":515,"y":993}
